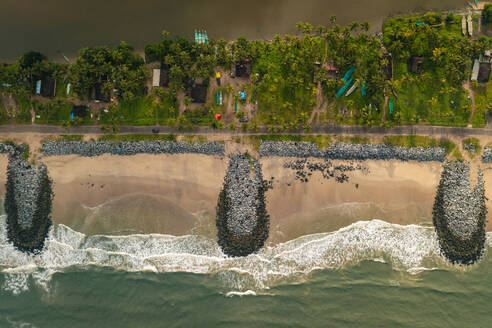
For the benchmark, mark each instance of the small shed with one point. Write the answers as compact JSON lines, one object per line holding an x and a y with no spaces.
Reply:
{"x":48,"y":87}
{"x":156,"y":77}
{"x":99,"y":95}
{"x":242,"y":68}
{"x":332,"y":70}
{"x":164,"y":79}
{"x":198,"y":93}
{"x":416,"y":65}
{"x":484,"y":73}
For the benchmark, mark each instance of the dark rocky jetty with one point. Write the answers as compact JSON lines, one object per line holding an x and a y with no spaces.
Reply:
{"x":487,"y":155}
{"x":242,"y":220}
{"x":350,"y":151}
{"x":97,"y":148}
{"x":459,"y":214}
{"x":28,"y":199}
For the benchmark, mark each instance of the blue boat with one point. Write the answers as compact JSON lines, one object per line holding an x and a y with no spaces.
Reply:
{"x":347,"y":75}
{"x":363,"y":89}
{"x":391,"y":105}
{"x":38,"y":87}
{"x":342,"y":89}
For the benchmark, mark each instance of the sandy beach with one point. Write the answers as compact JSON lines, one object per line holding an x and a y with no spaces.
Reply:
{"x":177,"y":194}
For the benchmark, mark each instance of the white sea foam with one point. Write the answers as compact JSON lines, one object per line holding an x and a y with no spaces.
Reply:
{"x":249,"y":292}
{"x":410,"y":248}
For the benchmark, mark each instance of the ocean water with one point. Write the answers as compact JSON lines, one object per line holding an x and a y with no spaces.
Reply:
{"x":368,"y":274}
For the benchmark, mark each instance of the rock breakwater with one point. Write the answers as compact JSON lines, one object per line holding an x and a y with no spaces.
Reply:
{"x":242,"y":220}
{"x":350,"y":151}
{"x":459,"y":214}
{"x":97,"y":148}
{"x":28,"y":199}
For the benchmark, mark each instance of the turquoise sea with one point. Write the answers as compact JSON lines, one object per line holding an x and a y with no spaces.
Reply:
{"x":369,"y":274}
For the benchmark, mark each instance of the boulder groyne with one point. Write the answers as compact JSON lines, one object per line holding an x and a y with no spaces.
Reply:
{"x":97,"y":148}
{"x":351,"y":151}
{"x":487,"y":155}
{"x":242,"y":220}
{"x":28,"y":200}
{"x":459,"y":214}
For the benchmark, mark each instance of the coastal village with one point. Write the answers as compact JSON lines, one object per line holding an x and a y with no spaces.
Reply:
{"x":271,"y":181}
{"x":430,"y":69}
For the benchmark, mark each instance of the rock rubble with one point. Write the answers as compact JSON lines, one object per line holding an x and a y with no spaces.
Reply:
{"x":28,"y":198}
{"x":242,"y":220}
{"x":97,"y":148}
{"x":459,"y":214}
{"x":487,"y":155}
{"x":305,"y":168}
{"x":349,"y":151}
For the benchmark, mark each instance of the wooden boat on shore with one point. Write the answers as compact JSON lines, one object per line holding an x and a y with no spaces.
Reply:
{"x":351,"y":89}
{"x":463,"y":25}
{"x":470,"y":25}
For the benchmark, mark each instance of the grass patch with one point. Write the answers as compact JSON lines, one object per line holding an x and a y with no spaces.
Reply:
{"x":355,"y":140}
{"x":483,"y":104}
{"x":64,"y":137}
{"x":26,"y":152}
{"x":137,"y":137}
{"x":192,"y":139}
{"x":55,"y":112}
{"x":167,"y":109}
{"x":203,"y":116}
{"x":23,"y":113}
{"x":457,"y":155}
{"x":61,"y":88}
{"x":139,"y":111}
{"x":472,"y":146}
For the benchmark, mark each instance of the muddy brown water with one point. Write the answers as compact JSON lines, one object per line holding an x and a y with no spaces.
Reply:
{"x":54,"y":27}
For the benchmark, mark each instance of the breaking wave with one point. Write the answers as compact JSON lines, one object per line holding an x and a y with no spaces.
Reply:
{"x":409,"y":248}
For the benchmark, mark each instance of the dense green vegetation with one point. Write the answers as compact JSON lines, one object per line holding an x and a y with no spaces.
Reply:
{"x":291,"y":76}
{"x":487,"y":14}
{"x":436,"y":96}
{"x":119,"y":70}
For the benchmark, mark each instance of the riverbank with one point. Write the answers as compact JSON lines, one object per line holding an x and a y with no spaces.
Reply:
{"x":147,"y":16}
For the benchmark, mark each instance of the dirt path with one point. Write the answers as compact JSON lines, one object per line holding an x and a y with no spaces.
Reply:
{"x":386,"y":98}
{"x":320,"y":106}
{"x":468,"y":88}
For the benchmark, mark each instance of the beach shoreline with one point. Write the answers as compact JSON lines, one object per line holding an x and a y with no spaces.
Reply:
{"x":177,"y":194}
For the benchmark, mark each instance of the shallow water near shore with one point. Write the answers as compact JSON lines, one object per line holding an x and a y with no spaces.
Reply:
{"x":370,"y":273}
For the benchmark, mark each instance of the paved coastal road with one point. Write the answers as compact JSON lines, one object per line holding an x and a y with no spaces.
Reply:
{"x":338,"y":130}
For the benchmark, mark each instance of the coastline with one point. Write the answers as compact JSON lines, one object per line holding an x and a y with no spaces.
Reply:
{"x":177,"y":194}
